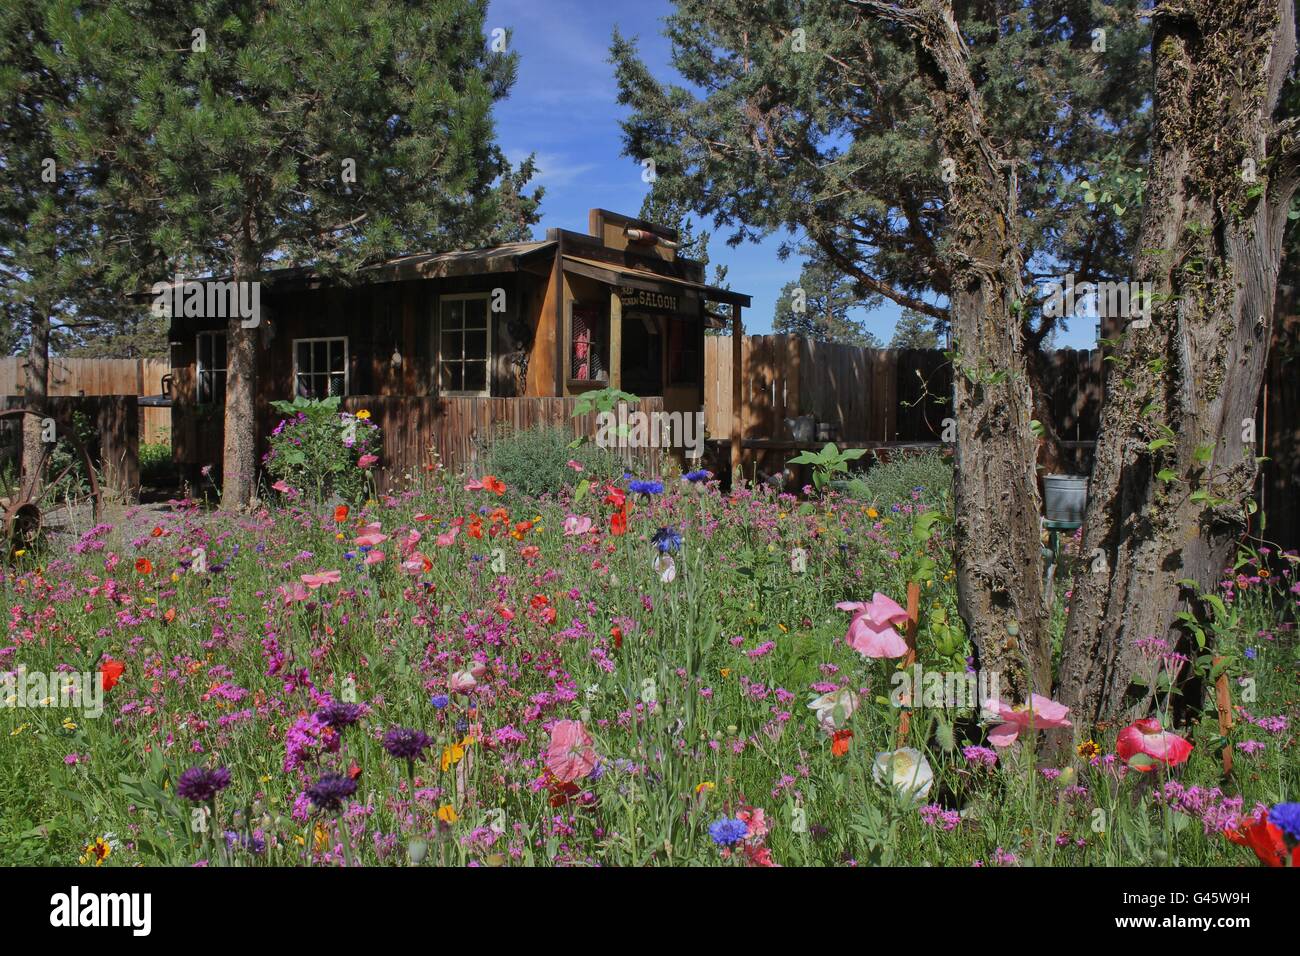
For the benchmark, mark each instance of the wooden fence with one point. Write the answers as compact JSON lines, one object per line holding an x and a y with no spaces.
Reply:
{"x":457,"y":432}
{"x":107,"y":425}
{"x":81,"y":376}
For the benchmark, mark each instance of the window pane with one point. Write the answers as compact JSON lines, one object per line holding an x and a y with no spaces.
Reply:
{"x":453,"y":377}
{"x":476,"y":376}
{"x":453,"y":313}
{"x":336,"y":383}
{"x":336,"y":355}
{"x":304,"y":386}
{"x":219,"y":351}
{"x":476,"y":345}
{"x":219,"y":387}
{"x":304,"y":357}
{"x":319,"y":357}
{"x":476,"y":313}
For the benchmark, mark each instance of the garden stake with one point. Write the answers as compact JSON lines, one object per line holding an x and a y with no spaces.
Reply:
{"x":1223,"y":701}
{"x":909,"y":635}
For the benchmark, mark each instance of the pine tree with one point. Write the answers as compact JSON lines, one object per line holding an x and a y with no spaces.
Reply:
{"x":243,"y":136}
{"x":818,"y":304}
{"x":916,"y":331}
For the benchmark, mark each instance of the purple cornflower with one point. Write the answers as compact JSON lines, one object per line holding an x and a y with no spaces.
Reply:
{"x":646,"y":488}
{"x":201,"y":784}
{"x":1286,"y":817}
{"x":406,"y":743}
{"x":329,"y":792}
{"x":439,"y":701}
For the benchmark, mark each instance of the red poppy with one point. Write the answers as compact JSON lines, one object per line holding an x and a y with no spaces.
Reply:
{"x":494,"y":484}
{"x":110,"y":672}
{"x":616,"y":633}
{"x":539,"y":601}
{"x":169,"y":615}
{"x":840,"y":742}
{"x":614,"y":496}
{"x":143,"y":566}
{"x":1266,"y":840}
{"x":618,"y":522}
{"x":354,"y":771}
{"x":157,"y":532}
{"x":340,"y":514}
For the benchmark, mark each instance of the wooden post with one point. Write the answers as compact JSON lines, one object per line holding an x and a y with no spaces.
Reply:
{"x":1223,"y":703}
{"x":909,"y":635}
{"x":737,"y":412}
{"x":615,"y":339}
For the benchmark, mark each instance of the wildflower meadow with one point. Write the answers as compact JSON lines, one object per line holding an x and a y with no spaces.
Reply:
{"x":618,"y":672}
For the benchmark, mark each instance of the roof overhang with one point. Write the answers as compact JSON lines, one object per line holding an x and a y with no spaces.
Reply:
{"x":648,"y":281}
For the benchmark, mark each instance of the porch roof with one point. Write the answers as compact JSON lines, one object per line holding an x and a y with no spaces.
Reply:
{"x":634,"y":278}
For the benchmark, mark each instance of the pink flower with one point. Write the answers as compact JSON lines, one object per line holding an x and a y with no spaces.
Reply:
{"x":872,"y":632}
{"x":575,"y":525}
{"x":374,"y":557}
{"x":755,"y":820}
{"x":1148,"y":738}
{"x":446,"y":539}
{"x":370,"y":536}
{"x":293,"y":593}
{"x":576,"y":466}
{"x":283,"y":487}
{"x":1039,"y":714}
{"x":570,"y":755}
{"x":462,"y":682}
{"x":314,"y":581}
{"x":367,"y":461}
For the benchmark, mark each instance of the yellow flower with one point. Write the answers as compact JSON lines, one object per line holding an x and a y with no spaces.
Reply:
{"x":705,"y":786}
{"x":363,"y":414}
{"x":452,"y":755}
{"x":17,"y":730}
{"x":447,"y":813}
{"x":20,"y":552}
{"x":1088,"y":749}
{"x":69,"y":724}
{"x":873,"y":513}
{"x":96,"y":852}
{"x":175,"y":577}
{"x":726,"y":672}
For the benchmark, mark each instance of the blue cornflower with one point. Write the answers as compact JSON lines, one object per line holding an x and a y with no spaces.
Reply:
{"x":728,"y":830}
{"x":646,"y":487}
{"x":439,"y":700}
{"x":698,"y":475}
{"x":1286,"y":817}
{"x":1250,"y":653}
{"x":667,"y":540}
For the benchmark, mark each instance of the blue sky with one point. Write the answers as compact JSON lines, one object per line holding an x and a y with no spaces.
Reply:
{"x":564,"y":109}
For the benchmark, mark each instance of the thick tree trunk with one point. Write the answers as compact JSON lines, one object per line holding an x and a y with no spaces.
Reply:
{"x":998,"y":551}
{"x":239,"y":461}
{"x":1175,"y":460}
{"x":35,"y":392}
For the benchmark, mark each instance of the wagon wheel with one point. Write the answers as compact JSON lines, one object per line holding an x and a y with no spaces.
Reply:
{"x":45,"y":498}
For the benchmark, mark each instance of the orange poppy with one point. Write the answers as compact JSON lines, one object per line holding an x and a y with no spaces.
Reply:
{"x":110,"y":672}
{"x":475,"y":528}
{"x":157,"y":532}
{"x":494,"y":484}
{"x":170,"y":615}
{"x":840,"y":742}
{"x":143,"y":566}
{"x":340,"y":514}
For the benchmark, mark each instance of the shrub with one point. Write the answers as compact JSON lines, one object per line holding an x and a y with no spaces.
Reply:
{"x":536,"y":460}
{"x":890,"y":482}
{"x":156,"y":465}
{"x":318,"y":449}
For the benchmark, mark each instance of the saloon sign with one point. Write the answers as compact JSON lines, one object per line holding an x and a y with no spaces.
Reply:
{"x":647,"y":301}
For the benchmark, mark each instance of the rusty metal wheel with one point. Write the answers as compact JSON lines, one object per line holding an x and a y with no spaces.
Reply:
{"x":61,"y":484}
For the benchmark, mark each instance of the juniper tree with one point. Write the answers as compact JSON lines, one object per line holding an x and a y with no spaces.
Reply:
{"x":243,"y":136}
{"x":941,"y":161}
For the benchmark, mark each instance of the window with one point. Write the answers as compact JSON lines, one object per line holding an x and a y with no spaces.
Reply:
{"x":588,"y":344}
{"x":210,"y":378}
{"x":684,"y":337}
{"x":464,"y":344}
{"x":320,"y":367}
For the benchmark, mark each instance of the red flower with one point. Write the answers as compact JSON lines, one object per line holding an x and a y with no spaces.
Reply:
{"x":110,"y":672}
{"x":615,"y":496}
{"x":494,"y":484}
{"x":1266,"y":840}
{"x":340,"y":514}
{"x":616,"y":633}
{"x":840,"y":742}
{"x":1155,"y":745}
{"x":157,"y":532}
{"x":618,"y":522}
{"x":143,"y":566}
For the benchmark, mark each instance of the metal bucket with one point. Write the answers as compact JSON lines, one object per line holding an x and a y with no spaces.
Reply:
{"x":1065,"y":497}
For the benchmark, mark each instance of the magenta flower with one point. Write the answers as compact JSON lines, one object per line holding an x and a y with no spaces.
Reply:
{"x":872,"y":632}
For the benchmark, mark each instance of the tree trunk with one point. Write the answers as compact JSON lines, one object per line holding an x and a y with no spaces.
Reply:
{"x":35,"y":392}
{"x":239,"y":461}
{"x":1175,"y":459}
{"x":997,"y":541}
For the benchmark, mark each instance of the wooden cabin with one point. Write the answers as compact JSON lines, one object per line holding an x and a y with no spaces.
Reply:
{"x":441,"y":348}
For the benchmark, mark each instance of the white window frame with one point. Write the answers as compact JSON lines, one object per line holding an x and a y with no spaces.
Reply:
{"x":199,"y":368}
{"x":347,"y":383}
{"x":487,"y":372}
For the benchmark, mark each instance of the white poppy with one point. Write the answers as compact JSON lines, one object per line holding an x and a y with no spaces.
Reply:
{"x":906,"y":770}
{"x":833,"y":710}
{"x":666,"y":567}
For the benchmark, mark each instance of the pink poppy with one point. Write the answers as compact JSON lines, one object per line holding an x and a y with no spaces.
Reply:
{"x":872,"y":632}
{"x":446,"y":539}
{"x":1040,"y":712}
{"x":314,"y":581}
{"x":374,"y":557}
{"x":570,"y":755}
{"x":283,"y":487}
{"x":576,"y":466}
{"x":409,"y":543}
{"x":367,"y":461}
{"x":293,"y":593}
{"x":462,"y":682}
{"x":1148,"y":738}
{"x":577,"y":524}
